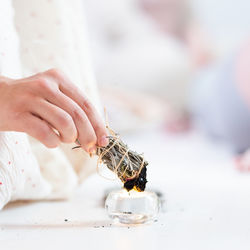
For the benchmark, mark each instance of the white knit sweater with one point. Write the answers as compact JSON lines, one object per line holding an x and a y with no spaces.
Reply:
{"x":36,"y":35}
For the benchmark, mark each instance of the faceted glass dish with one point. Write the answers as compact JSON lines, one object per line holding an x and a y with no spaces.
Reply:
{"x":132,"y":207}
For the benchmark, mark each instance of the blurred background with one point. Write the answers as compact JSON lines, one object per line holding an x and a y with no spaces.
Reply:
{"x":152,"y":50}
{"x":172,"y":64}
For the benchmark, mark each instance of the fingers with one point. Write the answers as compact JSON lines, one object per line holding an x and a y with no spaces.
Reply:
{"x":86,"y":133}
{"x":40,"y":130}
{"x":71,"y":91}
{"x":57,"y":118}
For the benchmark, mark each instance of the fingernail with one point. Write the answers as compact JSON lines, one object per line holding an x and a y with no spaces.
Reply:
{"x":103,"y":141}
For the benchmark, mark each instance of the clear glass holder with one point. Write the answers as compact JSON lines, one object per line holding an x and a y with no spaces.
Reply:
{"x":132,"y":207}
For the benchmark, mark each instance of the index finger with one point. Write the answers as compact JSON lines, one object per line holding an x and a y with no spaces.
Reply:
{"x":70,"y":90}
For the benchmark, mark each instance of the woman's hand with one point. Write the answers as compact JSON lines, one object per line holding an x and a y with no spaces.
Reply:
{"x":50,"y":108}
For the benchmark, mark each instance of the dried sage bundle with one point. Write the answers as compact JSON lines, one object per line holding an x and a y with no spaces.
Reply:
{"x":129,"y":166}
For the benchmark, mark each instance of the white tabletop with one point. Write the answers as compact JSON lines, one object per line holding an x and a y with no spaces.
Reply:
{"x":207,"y":205}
